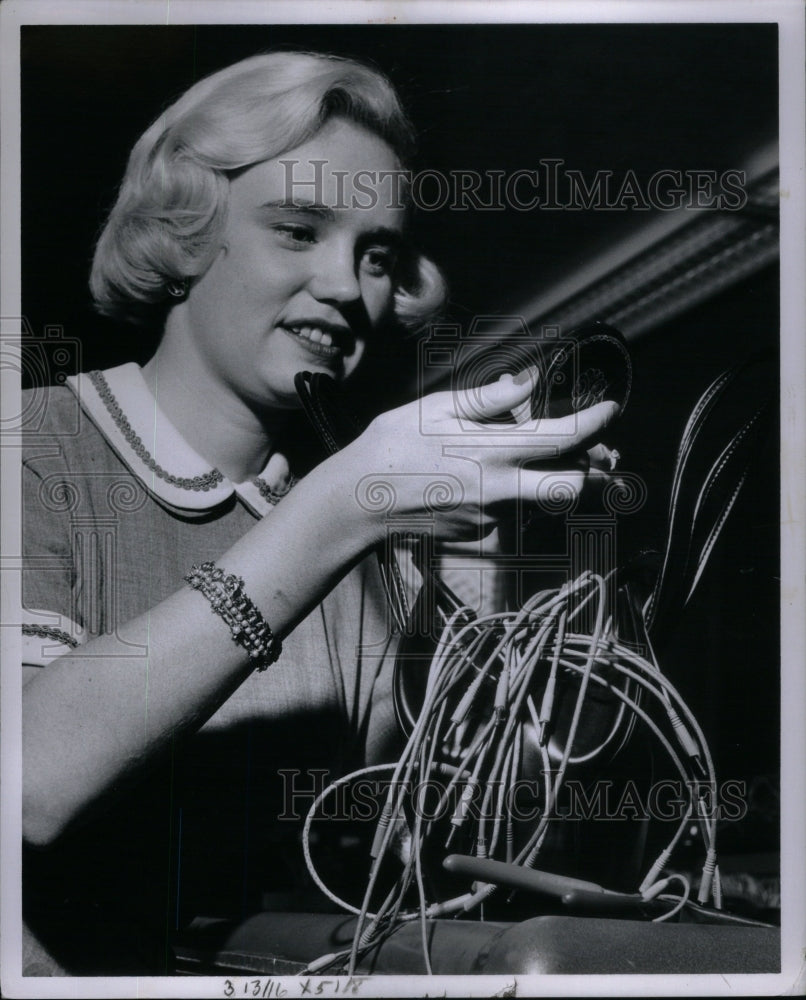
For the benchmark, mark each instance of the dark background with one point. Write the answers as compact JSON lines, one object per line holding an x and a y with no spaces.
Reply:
{"x":618,"y":97}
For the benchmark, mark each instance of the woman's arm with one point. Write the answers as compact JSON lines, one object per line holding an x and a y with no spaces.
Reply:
{"x":96,"y":715}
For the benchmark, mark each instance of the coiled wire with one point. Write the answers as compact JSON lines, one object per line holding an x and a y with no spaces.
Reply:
{"x":522,"y":654}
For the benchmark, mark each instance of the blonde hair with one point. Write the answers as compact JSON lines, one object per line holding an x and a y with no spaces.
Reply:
{"x":173,"y":198}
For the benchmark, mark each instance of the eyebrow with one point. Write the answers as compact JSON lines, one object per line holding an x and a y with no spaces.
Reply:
{"x":394,"y":237}
{"x":301,"y":207}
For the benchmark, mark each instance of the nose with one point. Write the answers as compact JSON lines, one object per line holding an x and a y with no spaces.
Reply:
{"x":335,"y":276}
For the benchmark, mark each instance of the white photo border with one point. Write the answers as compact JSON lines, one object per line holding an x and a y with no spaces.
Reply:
{"x":789,"y":15}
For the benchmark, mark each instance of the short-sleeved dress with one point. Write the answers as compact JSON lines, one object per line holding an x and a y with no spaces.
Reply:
{"x":116,"y":508}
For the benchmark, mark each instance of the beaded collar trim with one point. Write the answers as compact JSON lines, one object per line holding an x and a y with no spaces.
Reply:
{"x":205,"y":482}
{"x":124,"y":410}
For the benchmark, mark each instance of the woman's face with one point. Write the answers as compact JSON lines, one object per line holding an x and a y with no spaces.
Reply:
{"x":304,"y":271}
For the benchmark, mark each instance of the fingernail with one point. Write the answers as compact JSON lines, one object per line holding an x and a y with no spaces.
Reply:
{"x":529,"y":374}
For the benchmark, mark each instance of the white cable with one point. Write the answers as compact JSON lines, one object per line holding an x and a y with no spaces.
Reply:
{"x":681,"y":902}
{"x":518,"y":642}
{"x":306,"y":830}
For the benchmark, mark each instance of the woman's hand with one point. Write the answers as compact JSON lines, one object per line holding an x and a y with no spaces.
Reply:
{"x":442,"y":457}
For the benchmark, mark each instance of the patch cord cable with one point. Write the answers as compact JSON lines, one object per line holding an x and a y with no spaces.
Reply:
{"x":445,"y":674}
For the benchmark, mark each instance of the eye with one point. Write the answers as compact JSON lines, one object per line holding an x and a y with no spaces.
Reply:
{"x":295,"y":235}
{"x":378,"y":261}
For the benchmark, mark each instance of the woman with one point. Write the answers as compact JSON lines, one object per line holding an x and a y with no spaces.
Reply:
{"x":169,"y":548}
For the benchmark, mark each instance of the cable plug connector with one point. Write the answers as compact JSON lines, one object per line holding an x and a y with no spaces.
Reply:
{"x":701,"y":768}
{"x":706,"y":879}
{"x":501,"y":703}
{"x":546,"y":708}
{"x":367,"y":937}
{"x":449,"y":906}
{"x":466,"y":701}
{"x":684,"y":736}
{"x":716,"y":889}
{"x":380,"y":830}
{"x":510,"y":841}
{"x":460,"y":813}
{"x":320,"y":963}
{"x":655,"y":870}
{"x":481,"y":890}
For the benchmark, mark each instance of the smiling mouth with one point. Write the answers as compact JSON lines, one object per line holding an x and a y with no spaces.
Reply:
{"x":321,"y":341}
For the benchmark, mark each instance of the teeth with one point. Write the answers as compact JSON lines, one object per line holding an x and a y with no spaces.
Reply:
{"x":313,"y":333}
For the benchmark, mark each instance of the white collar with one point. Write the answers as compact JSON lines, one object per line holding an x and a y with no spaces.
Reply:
{"x":124,"y":410}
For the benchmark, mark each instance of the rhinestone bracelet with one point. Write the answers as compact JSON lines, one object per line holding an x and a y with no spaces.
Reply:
{"x":227,"y":598}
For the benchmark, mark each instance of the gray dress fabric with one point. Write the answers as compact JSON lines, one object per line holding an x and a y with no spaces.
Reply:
{"x":116,"y":508}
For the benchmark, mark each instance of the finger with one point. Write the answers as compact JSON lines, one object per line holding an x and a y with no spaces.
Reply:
{"x":495,"y":398}
{"x":570,"y":432}
{"x":523,"y":411}
{"x":553,"y":491}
